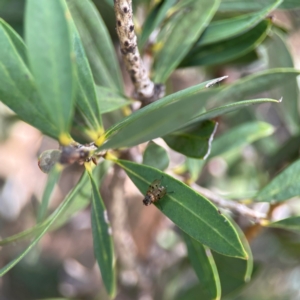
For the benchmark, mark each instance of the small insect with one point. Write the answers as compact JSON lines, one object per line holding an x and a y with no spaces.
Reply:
{"x":155,"y":192}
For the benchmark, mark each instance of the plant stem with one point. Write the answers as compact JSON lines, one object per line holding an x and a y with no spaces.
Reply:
{"x":145,"y":90}
{"x":233,"y":206}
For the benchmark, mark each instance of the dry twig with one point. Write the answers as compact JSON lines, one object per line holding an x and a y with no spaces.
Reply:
{"x":233,"y":206}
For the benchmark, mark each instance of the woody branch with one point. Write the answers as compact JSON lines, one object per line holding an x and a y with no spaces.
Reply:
{"x":145,"y":90}
{"x":233,"y":206}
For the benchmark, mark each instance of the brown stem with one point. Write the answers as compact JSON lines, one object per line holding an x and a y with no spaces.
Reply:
{"x":231,"y":205}
{"x":146,"y":90}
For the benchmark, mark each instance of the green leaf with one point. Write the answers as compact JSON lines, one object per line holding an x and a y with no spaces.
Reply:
{"x":103,"y":244}
{"x":190,"y":211}
{"x":194,"y":167}
{"x":224,"y":29}
{"x":240,"y":136}
{"x":3,"y":2}
{"x":258,"y":83}
{"x":110,"y":2}
{"x":16,"y":40}
{"x":195,"y":142}
{"x":292,"y":223}
{"x":153,"y":123}
{"x":156,"y":156}
{"x":290,"y":4}
{"x":244,"y":6}
{"x":110,"y":100}
{"x":284,"y":186}
{"x":180,"y":33}
{"x":234,"y":273}
{"x":191,"y":293}
{"x":80,"y":201}
{"x":44,"y":229}
{"x":249,"y":262}
{"x":83,"y":197}
{"x":221,"y":110}
{"x":97,"y":44}
{"x":230,"y":49}
{"x":204,"y":265}
{"x":289,"y":90}
{"x":85,"y":97}
{"x":157,"y":105}
{"x":287,"y":153}
{"x":53,"y":178}
{"x":154,"y":19}
{"x":158,"y":122}
{"x":231,"y":272}
{"x":17,"y":88}
{"x":49,"y":51}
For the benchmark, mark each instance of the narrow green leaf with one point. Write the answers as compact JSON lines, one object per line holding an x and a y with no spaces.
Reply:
{"x":80,"y":201}
{"x":234,"y":273}
{"x":289,"y":90}
{"x":103,"y":244}
{"x":49,"y":50}
{"x":45,"y":228}
{"x":164,"y":102}
{"x":229,"y":49}
{"x":83,"y":197}
{"x":180,"y":33}
{"x":154,"y":19}
{"x":110,"y":2}
{"x":290,"y":4}
{"x":97,"y":44}
{"x":53,"y":178}
{"x":110,"y":100}
{"x":224,"y":29}
{"x":17,"y":88}
{"x":243,"y":6}
{"x":156,"y":156}
{"x":85,"y":97}
{"x":16,"y":40}
{"x":194,"y":167}
{"x":3,"y":2}
{"x":204,"y":265}
{"x":192,"y":292}
{"x":231,"y":272}
{"x":195,"y":142}
{"x":240,"y":136}
{"x":287,"y":153}
{"x":292,"y":223}
{"x":190,"y":211}
{"x":284,"y":186}
{"x":249,"y":262}
{"x":254,"y":5}
{"x":158,"y":122}
{"x":221,"y":110}
{"x":260,"y":82}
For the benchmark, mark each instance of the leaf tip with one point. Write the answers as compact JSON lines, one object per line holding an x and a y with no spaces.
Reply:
{"x":215,"y":81}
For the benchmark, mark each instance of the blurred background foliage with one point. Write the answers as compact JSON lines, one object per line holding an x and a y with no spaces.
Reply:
{"x":63,"y":266}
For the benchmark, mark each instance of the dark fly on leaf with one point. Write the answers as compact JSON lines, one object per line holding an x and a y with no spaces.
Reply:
{"x":155,"y":192}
